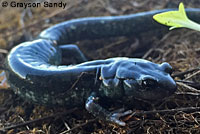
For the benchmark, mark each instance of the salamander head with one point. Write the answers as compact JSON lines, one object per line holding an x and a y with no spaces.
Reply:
{"x":144,"y":79}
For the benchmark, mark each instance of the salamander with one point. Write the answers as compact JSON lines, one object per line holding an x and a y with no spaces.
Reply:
{"x":35,"y":71}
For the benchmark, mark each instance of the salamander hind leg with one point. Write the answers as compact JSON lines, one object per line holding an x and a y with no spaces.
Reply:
{"x":72,"y":52}
{"x":93,"y":107}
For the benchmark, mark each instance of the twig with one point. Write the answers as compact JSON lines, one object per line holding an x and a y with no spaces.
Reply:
{"x":112,"y":45}
{"x":192,"y":75}
{"x":185,"y":109}
{"x":156,"y":45}
{"x":185,"y":72}
{"x":190,"y":83}
{"x":3,"y":51}
{"x":188,"y":87}
{"x":17,"y":125}
{"x":81,"y":125}
{"x":188,"y":93}
{"x":148,"y":53}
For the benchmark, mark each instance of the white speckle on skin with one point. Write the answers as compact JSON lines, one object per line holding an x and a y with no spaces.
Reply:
{"x":85,"y":23}
{"x":33,"y":98}
{"x":59,"y":101}
{"x":46,"y":96}
{"x":18,"y":92}
{"x":31,"y":93}
{"x":73,"y":27}
{"x":73,"y":96}
{"x":102,"y":21}
{"x":44,"y":100}
{"x":27,"y":95}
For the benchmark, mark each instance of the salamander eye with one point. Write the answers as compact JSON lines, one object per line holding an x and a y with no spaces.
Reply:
{"x":167,"y":68}
{"x":149,"y":83}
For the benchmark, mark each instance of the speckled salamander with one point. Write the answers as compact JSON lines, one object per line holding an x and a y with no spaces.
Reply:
{"x":35,"y":71}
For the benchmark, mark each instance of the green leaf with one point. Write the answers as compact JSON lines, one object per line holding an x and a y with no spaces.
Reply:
{"x":176,"y":19}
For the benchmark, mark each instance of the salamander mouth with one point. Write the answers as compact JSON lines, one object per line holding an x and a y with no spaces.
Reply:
{"x":149,"y":89}
{"x":157,"y":93}
{"x":151,"y":93}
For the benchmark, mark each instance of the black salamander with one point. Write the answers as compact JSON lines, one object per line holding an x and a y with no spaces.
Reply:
{"x":36,"y":74}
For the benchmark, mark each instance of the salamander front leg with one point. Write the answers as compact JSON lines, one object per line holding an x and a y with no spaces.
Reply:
{"x":93,"y":107}
{"x":70,"y":51}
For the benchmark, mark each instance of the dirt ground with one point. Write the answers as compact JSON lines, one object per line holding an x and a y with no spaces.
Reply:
{"x":177,"y":114}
